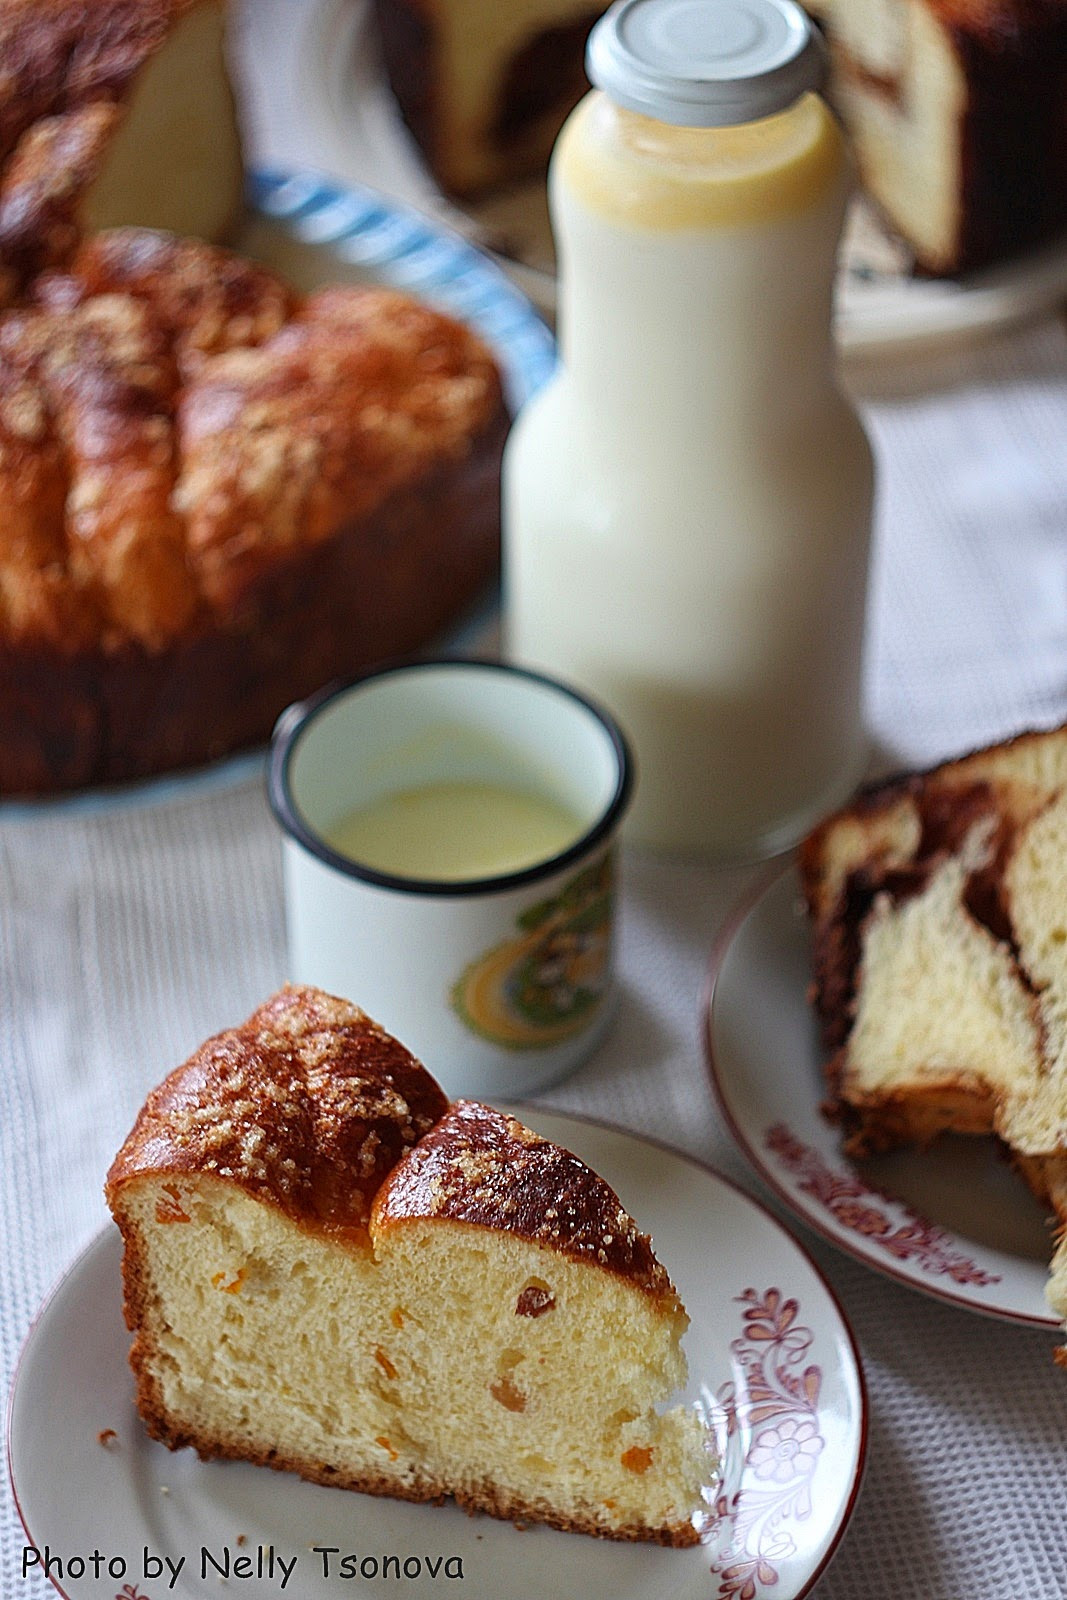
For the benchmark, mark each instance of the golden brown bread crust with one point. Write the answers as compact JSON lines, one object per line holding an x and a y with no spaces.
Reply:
{"x":204,"y":300}
{"x":357,"y":397}
{"x":482,"y":1167}
{"x":198,"y":407}
{"x":308,"y":1106}
{"x":313,"y":1108}
{"x":216,"y":496}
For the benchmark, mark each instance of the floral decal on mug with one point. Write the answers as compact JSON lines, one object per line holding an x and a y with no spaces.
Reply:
{"x":544,"y":985}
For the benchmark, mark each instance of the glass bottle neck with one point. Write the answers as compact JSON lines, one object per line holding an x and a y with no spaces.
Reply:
{"x":697,"y":265}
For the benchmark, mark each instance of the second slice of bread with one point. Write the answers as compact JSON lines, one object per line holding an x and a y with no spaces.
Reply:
{"x":939,"y":909}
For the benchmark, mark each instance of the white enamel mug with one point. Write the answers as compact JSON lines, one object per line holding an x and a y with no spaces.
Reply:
{"x":500,"y":985}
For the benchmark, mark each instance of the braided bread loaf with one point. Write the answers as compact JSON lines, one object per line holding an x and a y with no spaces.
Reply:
{"x":215,"y":495}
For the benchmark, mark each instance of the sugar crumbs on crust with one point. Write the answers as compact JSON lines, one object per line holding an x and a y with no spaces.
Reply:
{"x":481,"y":1166}
{"x":309,"y":1104}
{"x":177,"y":422}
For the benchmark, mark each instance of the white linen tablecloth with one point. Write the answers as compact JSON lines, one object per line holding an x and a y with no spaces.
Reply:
{"x":128,"y":935}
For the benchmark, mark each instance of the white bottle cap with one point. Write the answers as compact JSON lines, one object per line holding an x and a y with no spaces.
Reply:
{"x":705,"y":63}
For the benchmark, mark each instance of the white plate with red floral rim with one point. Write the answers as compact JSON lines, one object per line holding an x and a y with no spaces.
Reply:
{"x":772,"y":1363}
{"x":952,"y":1221}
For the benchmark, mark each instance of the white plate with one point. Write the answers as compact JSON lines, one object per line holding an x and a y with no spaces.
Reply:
{"x":770,"y":1356}
{"x":953,"y":1221}
{"x":352,"y":123}
{"x":315,"y":232}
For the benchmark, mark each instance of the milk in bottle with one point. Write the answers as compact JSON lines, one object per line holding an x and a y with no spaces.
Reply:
{"x":687,"y":502}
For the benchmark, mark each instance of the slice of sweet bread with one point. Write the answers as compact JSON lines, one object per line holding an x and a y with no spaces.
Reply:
{"x":939,"y":910}
{"x":933,"y":901}
{"x":943,"y":1027}
{"x":484,"y":89}
{"x":329,"y":1270}
{"x":954,"y":110}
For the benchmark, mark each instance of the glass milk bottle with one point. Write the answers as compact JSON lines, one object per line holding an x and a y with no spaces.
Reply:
{"x":687,"y":502}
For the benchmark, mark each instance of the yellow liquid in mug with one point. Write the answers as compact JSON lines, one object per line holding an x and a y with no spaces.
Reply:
{"x":452,"y":831}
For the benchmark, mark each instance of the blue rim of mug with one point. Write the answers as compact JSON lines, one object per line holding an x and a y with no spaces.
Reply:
{"x":295,"y":721}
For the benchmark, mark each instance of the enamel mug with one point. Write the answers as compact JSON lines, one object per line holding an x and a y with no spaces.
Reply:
{"x":500,"y":984}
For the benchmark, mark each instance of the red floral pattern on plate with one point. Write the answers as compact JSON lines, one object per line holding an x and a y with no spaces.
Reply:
{"x":849,"y":1201}
{"x":767,"y":1422}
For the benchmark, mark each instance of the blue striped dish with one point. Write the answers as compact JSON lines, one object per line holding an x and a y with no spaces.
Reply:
{"x":398,"y":246}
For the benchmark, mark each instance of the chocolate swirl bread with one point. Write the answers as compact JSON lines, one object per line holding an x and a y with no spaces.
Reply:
{"x":215,"y":494}
{"x":331,"y":1271}
{"x":955,"y":112}
{"x":484,"y":88}
{"x":954,"y":107}
{"x":939,"y":914}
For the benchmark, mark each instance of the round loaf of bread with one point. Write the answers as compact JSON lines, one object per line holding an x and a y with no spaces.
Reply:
{"x":215,"y":495}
